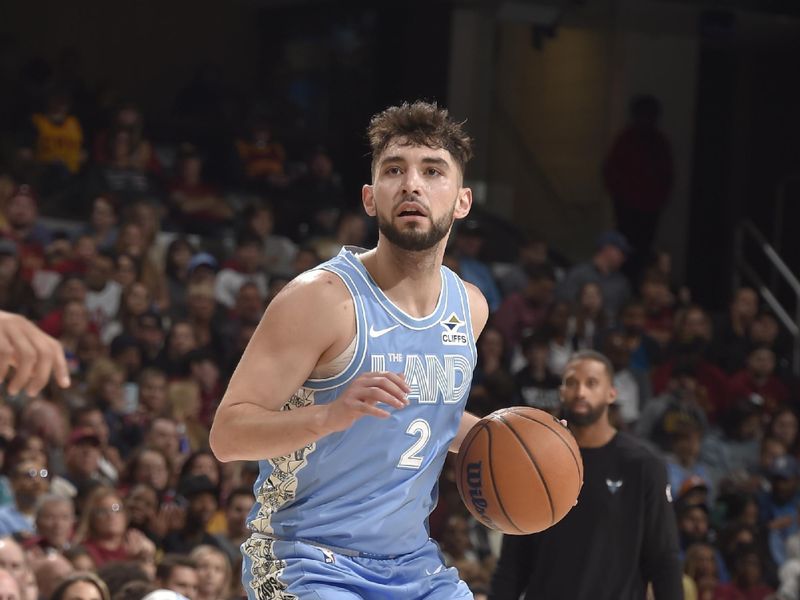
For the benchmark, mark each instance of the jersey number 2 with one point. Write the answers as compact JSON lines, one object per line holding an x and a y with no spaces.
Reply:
{"x":410,"y":459}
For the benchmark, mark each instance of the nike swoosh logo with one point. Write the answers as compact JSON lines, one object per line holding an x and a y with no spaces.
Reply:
{"x":438,"y":570}
{"x":374,"y":333}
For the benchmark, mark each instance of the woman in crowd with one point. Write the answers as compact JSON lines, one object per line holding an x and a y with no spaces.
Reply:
{"x":104,"y":532}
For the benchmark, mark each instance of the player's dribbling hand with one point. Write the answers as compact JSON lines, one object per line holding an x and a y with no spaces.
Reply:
{"x":362,"y":397}
{"x":33,"y":354}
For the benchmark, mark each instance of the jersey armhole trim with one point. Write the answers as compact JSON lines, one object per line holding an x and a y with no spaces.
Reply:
{"x":360,"y":352}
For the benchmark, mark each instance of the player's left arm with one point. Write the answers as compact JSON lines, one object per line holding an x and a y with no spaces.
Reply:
{"x":479,"y":314}
{"x":660,"y":561}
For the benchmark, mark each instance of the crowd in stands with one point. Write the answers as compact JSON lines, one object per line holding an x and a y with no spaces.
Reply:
{"x":153,"y":276}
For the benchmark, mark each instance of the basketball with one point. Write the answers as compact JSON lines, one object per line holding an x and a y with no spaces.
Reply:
{"x":519,"y":470}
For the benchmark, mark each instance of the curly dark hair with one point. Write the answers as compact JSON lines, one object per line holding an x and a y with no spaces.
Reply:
{"x":419,"y":123}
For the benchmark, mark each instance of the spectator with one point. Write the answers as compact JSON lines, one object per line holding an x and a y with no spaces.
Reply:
{"x":82,"y":585}
{"x":202,"y":502}
{"x":277,"y":251}
{"x":701,"y":565}
{"x":588,"y":319}
{"x":80,"y":558}
{"x":91,"y":417}
{"x":81,"y":459}
{"x":145,"y":514}
{"x":731,"y":344}
{"x":103,"y":530}
{"x":458,"y":552}
{"x":9,"y":586}
{"x":317,"y":194}
{"x":469,"y":240}
{"x":13,"y":560}
{"x":559,"y":337}
{"x":152,"y":401}
{"x":765,"y":332}
{"x":604,"y":270}
{"x":351,"y":230}
{"x":178,"y":573}
{"x":523,"y":313}
{"x":103,"y":222}
{"x":659,"y":305}
{"x":104,"y":294}
{"x":783,"y":426}
{"x":195,"y":205}
{"x":149,"y":333}
{"x":205,"y":372}
{"x":75,"y":325}
{"x":59,"y":138}
{"x":163,"y":435}
{"x":747,"y":577}
{"x":204,"y":317}
{"x":122,"y":175}
{"x":249,"y":307}
{"x":683,"y":464}
{"x":50,"y":570}
{"x":759,"y":378}
{"x":71,"y":287}
{"x":262,"y":158}
{"x":185,"y":406}
{"x":213,"y":573}
{"x":150,"y":466}
{"x":178,"y":256}
{"x":240,"y":502}
{"x":27,"y":230}
{"x":16,"y":294}
{"x":732,"y":452}
{"x":680,"y":405}
{"x":137,"y":239}
{"x":492,"y":383}
{"x":181,"y":340}
{"x":533,"y":252}
{"x":536,"y":385}
{"x":693,"y":525}
{"x":778,"y":507}
{"x":633,"y":385}
{"x":638,"y":173}
{"x":645,"y":351}
{"x":29,"y":482}
{"x":244,"y":266}
{"x":55,"y":521}
{"x":128,"y":118}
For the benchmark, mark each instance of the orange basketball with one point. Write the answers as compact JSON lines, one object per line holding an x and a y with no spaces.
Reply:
{"x":519,"y":470}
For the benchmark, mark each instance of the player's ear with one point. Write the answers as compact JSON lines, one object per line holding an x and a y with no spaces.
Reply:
{"x":612,"y":395}
{"x":368,"y":199}
{"x":463,"y":203}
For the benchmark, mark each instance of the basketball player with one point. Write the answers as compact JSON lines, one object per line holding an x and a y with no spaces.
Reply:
{"x":622,"y":535}
{"x":352,"y":389}
{"x":33,"y":354}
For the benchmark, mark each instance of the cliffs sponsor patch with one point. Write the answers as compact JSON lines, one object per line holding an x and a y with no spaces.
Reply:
{"x":452,"y":334}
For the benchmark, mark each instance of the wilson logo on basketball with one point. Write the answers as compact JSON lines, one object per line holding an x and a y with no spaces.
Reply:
{"x":476,"y":490}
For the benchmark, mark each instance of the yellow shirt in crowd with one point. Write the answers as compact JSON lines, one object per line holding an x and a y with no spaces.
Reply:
{"x":58,"y":142}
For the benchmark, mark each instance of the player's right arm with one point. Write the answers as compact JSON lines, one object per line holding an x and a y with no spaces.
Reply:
{"x":311,"y":319}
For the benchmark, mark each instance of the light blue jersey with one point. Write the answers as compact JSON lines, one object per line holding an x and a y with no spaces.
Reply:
{"x":367,"y":491}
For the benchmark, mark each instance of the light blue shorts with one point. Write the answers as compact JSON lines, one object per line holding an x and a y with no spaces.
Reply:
{"x":283,"y":570}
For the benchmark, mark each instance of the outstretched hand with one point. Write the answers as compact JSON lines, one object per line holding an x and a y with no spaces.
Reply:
{"x":33,"y":354}
{"x":362,"y":397}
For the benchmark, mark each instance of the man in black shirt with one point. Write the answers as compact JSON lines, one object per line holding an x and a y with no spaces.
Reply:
{"x":622,"y":535}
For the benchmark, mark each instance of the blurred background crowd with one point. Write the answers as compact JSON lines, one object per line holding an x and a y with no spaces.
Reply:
{"x":151,"y":252}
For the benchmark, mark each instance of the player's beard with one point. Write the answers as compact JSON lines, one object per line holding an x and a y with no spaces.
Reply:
{"x":584,"y":419}
{"x":415,"y":239}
